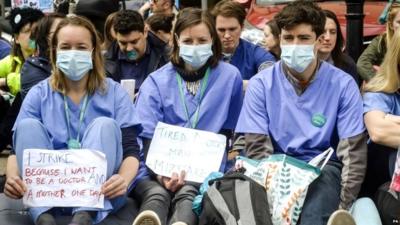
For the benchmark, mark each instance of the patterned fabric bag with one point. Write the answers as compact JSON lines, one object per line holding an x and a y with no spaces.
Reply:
{"x":286,"y":180}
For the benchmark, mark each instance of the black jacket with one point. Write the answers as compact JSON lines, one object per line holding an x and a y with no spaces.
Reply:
{"x":34,"y":70}
{"x":159,"y":56}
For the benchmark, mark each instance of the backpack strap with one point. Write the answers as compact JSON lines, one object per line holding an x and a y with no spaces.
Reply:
{"x":243,"y":199}
{"x":220,"y":205}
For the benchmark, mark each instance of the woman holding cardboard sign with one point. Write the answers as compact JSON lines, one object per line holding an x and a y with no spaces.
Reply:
{"x":196,"y":90}
{"x":77,"y":108}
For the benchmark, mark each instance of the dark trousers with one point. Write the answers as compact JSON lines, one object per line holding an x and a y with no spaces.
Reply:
{"x":7,"y":123}
{"x":323,"y":196}
{"x":152,"y":196}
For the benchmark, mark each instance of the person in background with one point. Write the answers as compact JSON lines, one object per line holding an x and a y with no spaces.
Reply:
{"x":161,"y":25}
{"x":136,"y":52}
{"x":109,"y":32}
{"x":271,"y":39}
{"x":370,"y":60}
{"x":302,"y":106}
{"x":195,"y":90}
{"x":331,"y":47}
{"x":38,"y":67}
{"x":53,"y":108}
{"x":247,"y":57}
{"x":22,"y":21}
{"x":5,"y":47}
{"x":158,"y":6}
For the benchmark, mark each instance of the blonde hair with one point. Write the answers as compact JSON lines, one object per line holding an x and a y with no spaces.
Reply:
{"x":387,"y":79}
{"x":394,"y":9}
{"x":96,"y":79}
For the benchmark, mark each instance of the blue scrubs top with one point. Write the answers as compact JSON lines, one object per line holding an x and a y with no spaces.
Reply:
{"x":159,"y":100}
{"x":47,"y":106}
{"x":249,"y":58}
{"x":387,"y":103}
{"x":302,"y":126}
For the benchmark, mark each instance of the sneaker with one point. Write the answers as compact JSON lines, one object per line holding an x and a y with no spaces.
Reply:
{"x":147,"y":217}
{"x":341,"y":217}
{"x":179,"y":223}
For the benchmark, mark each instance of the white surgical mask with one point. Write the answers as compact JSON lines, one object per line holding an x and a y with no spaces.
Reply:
{"x":297,"y":57}
{"x":74,"y":63}
{"x":195,"y":55}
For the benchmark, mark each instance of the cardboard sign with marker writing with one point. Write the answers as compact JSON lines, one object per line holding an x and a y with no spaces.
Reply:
{"x":64,"y":178}
{"x":175,"y":148}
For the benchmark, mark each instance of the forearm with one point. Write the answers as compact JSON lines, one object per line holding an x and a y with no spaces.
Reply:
{"x":258,"y":146}
{"x":12,"y":166}
{"x":129,"y":169}
{"x":352,"y":152}
{"x":383,"y":129}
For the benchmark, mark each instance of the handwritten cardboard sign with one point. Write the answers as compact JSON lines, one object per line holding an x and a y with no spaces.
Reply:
{"x":44,"y":5}
{"x":64,"y":178}
{"x":174,"y":149}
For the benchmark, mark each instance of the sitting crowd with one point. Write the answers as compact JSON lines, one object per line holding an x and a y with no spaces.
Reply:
{"x":298,"y":96}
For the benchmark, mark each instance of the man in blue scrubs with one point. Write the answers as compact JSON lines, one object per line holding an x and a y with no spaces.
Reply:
{"x":301,"y":106}
{"x":137,"y":52}
{"x":247,"y":57}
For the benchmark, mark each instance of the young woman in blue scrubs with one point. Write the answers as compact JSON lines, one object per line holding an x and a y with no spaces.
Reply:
{"x":77,"y":107}
{"x":196,"y":90}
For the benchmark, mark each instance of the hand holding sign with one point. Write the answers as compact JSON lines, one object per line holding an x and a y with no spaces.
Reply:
{"x":14,"y":188}
{"x":174,"y":183}
{"x":174,"y":149}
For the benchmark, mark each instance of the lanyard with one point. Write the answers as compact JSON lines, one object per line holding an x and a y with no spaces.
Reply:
{"x":81,"y":116}
{"x":202,"y":90}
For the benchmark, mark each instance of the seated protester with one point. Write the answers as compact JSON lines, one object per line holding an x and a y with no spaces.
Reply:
{"x":38,"y":67}
{"x":53,"y":108}
{"x":161,"y":25}
{"x":271,"y":39}
{"x":382,"y":101}
{"x":109,"y":32}
{"x":302,"y":106}
{"x":171,"y":95}
{"x":331,"y":47}
{"x":372,"y":57}
{"x":22,"y":20}
{"x":247,"y":57}
{"x":137,"y":52}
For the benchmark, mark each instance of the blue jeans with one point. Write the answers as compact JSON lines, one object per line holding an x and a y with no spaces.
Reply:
{"x":323,"y":196}
{"x":102,"y":134}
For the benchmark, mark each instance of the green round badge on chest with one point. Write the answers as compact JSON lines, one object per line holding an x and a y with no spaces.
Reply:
{"x":318,"y":120}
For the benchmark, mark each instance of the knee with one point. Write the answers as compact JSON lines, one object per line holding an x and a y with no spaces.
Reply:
{"x":105,"y":122}
{"x":28,"y":124}
{"x":159,"y":193}
{"x":187,"y":191}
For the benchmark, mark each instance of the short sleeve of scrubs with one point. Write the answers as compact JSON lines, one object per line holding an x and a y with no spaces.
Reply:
{"x":148,"y":107}
{"x":377,"y":101}
{"x":124,"y":113}
{"x":350,"y":121}
{"x":253,"y":117}
{"x":236,"y":103}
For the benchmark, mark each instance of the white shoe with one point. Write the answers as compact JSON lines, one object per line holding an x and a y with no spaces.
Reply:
{"x":147,"y":217}
{"x":341,"y":217}
{"x":179,"y":223}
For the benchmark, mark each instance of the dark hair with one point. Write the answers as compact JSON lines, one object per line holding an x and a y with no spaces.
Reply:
{"x":229,"y":8}
{"x":40,"y":34}
{"x":108,"y":25}
{"x":127,"y":21}
{"x":19,"y":17}
{"x":302,"y":11}
{"x":190,"y":17}
{"x":274,"y":28}
{"x":161,"y":21}
{"x":337,"y":53}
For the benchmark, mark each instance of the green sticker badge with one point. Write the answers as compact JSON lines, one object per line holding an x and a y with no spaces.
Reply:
{"x":318,"y":120}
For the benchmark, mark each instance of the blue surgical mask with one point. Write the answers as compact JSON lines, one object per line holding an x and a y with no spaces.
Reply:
{"x":75,"y":64}
{"x":132,"y":55}
{"x":297,"y":57}
{"x":195,"y":55}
